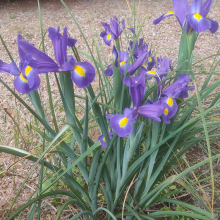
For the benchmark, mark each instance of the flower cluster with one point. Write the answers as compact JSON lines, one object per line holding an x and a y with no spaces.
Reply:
{"x":193,"y":16}
{"x":145,"y":66}
{"x":34,"y":62}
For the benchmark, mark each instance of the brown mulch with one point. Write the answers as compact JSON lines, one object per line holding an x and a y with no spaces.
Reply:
{"x":22,"y":17}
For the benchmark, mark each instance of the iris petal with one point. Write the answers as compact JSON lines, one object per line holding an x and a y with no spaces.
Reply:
{"x":83,"y":74}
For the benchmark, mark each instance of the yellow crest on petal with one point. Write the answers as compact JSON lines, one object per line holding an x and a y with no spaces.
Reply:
{"x":80,"y":70}
{"x":169,"y":13}
{"x":109,"y":36}
{"x":149,"y":59}
{"x":152,"y":72}
{"x":27,"y":70}
{"x":170,"y":101}
{"x":103,"y":139}
{"x":198,"y":16}
{"x":22,"y":78}
{"x":123,"y":122}
{"x":122,"y":63}
{"x":166,"y":111}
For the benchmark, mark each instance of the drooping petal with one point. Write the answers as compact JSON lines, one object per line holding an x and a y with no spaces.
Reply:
{"x":130,"y":28}
{"x":4,"y":67}
{"x":121,"y":125}
{"x":109,"y":70}
{"x":83,"y":74}
{"x":152,"y":111}
{"x":214,"y":26}
{"x":181,"y":9}
{"x":21,"y":84}
{"x":158,"y":20}
{"x":198,"y":23}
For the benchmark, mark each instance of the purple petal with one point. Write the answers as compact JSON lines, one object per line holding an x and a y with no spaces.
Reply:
{"x":109,"y":116}
{"x":152,"y":111}
{"x":4,"y":67}
{"x":83,"y":74}
{"x":71,"y":42}
{"x":199,"y":24}
{"x":21,"y":84}
{"x":69,"y":65}
{"x":34,"y":52}
{"x":20,"y":51}
{"x":14,"y":69}
{"x":158,"y":20}
{"x":42,"y":67}
{"x":214,"y":26}
{"x":109,"y":70}
{"x":206,"y":6}
{"x":181,"y":9}
{"x":196,"y":7}
{"x":121,"y":125}
{"x":138,"y":63}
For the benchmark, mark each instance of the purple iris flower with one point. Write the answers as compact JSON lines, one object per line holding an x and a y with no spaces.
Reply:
{"x":194,"y":15}
{"x":122,"y":123}
{"x":82,"y":73}
{"x":107,"y":34}
{"x":27,"y":78}
{"x":176,"y":90}
{"x":101,"y":138}
{"x":123,"y":58}
{"x":115,"y":28}
{"x":113,"y":31}
{"x":109,"y":69}
{"x":137,"y":89}
{"x":139,"y":48}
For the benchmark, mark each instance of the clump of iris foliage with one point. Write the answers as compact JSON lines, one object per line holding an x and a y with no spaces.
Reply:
{"x":146,"y":118}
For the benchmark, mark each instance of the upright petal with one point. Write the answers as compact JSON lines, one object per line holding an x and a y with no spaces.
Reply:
{"x":83,"y":74}
{"x":206,"y":6}
{"x":20,"y":51}
{"x":181,"y":9}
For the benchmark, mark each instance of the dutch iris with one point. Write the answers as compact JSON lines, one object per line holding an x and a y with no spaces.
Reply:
{"x":113,"y":31}
{"x":194,"y":15}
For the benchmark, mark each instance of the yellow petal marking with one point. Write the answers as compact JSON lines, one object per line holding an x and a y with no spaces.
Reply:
{"x":170,"y":101}
{"x":80,"y":70}
{"x":169,"y":13}
{"x":123,"y":122}
{"x":122,"y":63}
{"x":22,"y":78}
{"x":127,"y":26}
{"x":166,"y":111}
{"x":152,"y":72}
{"x":144,"y":66}
{"x":135,"y":81}
{"x":27,"y":70}
{"x":150,"y":59}
{"x":103,"y":139}
{"x":109,"y":36}
{"x":198,"y":16}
